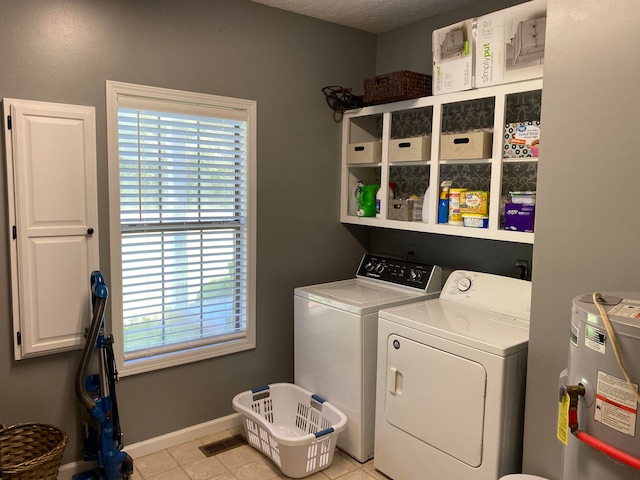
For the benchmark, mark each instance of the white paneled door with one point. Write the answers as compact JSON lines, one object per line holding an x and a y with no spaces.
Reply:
{"x":53,"y":215}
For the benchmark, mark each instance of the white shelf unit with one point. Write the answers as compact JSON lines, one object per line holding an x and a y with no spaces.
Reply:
{"x":373,"y":123}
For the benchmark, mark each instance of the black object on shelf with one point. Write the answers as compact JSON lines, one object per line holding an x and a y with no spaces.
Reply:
{"x":340,"y":99}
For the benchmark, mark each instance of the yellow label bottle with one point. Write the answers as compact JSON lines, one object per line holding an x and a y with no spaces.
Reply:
{"x":455,"y":217}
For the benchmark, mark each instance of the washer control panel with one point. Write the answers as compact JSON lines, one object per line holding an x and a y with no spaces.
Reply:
{"x":420,"y":276}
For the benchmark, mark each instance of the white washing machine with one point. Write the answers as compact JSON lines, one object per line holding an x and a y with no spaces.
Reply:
{"x":335,"y":338}
{"x":451,"y":381}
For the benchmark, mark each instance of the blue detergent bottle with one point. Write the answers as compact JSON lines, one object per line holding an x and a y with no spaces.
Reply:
{"x":443,"y":205}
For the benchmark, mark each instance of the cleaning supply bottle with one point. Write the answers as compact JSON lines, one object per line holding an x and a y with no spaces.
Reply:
{"x":455,"y":216}
{"x":368,"y":200}
{"x":390,"y":196}
{"x":425,"y":205}
{"x":354,"y":198}
{"x":443,"y":205}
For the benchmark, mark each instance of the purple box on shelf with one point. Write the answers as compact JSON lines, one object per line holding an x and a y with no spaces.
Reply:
{"x":519,"y":217}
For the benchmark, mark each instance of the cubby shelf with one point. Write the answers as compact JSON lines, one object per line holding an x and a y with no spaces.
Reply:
{"x":486,"y":109}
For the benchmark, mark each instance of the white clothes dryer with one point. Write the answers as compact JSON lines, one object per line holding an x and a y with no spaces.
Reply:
{"x":335,"y":338}
{"x":451,"y":381}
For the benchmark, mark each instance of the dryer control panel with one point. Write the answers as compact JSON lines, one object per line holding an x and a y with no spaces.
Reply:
{"x":427,"y":278}
{"x":496,"y":293}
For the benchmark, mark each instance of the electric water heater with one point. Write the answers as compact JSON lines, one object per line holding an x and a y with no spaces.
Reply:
{"x":599,"y":389}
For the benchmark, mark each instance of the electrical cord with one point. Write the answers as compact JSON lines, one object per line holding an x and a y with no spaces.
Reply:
{"x":614,"y":342}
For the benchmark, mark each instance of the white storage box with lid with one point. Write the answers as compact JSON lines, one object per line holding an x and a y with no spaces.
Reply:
{"x":410,"y":149}
{"x":453,"y":57}
{"x":510,"y":44}
{"x":465,"y":146}
{"x":366,"y":152}
{"x":294,"y":428}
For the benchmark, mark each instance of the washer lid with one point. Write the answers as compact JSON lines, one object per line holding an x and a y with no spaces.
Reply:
{"x":484,"y":330}
{"x":360,"y":296}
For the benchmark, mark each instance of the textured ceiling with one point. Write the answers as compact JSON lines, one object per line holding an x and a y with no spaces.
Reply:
{"x":375,"y":16}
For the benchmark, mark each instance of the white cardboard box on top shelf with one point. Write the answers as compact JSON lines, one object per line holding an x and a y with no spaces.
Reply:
{"x":453,"y":57}
{"x":510,"y":44}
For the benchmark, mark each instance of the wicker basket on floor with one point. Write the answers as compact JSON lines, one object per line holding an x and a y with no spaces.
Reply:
{"x":31,"y":451}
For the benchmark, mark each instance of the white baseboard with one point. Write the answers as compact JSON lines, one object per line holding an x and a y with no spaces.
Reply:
{"x":162,"y":442}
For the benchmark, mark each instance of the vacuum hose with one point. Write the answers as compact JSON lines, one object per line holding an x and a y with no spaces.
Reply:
{"x":100,"y":303}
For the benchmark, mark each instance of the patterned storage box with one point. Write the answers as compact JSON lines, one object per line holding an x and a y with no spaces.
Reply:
{"x":521,"y":139}
{"x":401,"y":210}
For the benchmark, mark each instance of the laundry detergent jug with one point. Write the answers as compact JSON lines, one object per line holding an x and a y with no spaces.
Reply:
{"x":368,"y":201}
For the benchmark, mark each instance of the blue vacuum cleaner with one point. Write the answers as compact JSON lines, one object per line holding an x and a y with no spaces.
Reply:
{"x":97,"y":394}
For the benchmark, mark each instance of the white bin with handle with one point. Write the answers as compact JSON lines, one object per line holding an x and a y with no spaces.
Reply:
{"x":296,"y":429}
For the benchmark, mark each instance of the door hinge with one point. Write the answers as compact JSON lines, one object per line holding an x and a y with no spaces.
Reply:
{"x":14,"y":232}
{"x":19,"y":338}
{"x":9,"y":122}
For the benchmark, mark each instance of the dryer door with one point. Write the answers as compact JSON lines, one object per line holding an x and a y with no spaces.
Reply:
{"x":437,"y":397}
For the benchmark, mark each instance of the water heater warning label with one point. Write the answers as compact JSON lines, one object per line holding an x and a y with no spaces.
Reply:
{"x":616,"y":405}
{"x":627,"y":308}
{"x":595,"y":339}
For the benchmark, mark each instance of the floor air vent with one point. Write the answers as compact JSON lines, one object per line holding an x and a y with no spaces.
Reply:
{"x":220,"y":446}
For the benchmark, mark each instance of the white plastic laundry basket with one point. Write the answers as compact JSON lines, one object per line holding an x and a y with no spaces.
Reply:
{"x":294,"y":428}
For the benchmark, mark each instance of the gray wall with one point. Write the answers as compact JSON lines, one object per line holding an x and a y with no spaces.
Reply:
{"x":63,"y":51}
{"x":588,"y":241}
{"x":453,"y":253}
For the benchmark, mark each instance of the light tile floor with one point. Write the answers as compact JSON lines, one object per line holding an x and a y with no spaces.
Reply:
{"x":187,"y":462}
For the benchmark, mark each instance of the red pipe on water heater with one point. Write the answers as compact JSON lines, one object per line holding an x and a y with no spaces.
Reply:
{"x":608,"y":449}
{"x":575,"y":392}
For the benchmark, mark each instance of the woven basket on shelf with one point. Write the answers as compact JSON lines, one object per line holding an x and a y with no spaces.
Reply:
{"x":396,"y":86}
{"x":31,"y":451}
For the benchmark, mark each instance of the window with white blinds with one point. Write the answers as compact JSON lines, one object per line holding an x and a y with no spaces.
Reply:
{"x":183,"y":267}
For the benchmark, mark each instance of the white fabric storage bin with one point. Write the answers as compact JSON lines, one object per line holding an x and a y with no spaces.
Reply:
{"x":410,"y":149}
{"x":466,"y":146}
{"x":366,"y":152}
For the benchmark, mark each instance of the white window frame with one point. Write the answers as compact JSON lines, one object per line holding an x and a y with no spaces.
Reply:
{"x":117,"y":92}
